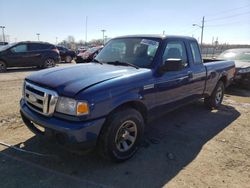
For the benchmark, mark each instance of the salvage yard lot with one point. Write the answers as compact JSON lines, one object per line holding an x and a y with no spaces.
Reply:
{"x":190,"y":147}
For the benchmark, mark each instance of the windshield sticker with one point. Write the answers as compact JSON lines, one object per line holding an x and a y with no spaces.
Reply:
{"x":149,"y":42}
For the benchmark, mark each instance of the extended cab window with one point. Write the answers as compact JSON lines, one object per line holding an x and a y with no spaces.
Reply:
{"x":196,"y":53}
{"x":19,"y":48}
{"x":175,"y":50}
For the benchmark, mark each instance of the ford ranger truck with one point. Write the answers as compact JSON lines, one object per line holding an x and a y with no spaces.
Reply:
{"x":107,"y":103}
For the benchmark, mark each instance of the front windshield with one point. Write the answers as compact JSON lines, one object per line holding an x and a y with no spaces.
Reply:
{"x":136,"y":51}
{"x":240,"y":55}
{"x":7,"y":46}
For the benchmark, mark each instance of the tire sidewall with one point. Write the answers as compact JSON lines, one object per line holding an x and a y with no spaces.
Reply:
{"x":219,"y":85}
{"x":45,"y":63}
{"x":68,"y":56}
{"x":134,"y":116}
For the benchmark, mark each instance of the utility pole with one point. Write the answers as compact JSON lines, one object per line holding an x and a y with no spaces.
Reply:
{"x":56,"y":40}
{"x":3,"y":27}
{"x":86,"y":30}
{"x":202,"y":28}
{"x":105,"y":38}
{"x":38,"y":34}
{"x":103,"y":32}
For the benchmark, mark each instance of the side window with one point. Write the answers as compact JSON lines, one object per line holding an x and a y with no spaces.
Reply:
{"x":19,"y":48}
{"x":196,"y":53}
{"x":176,"y":50}
{"x":34,"y":47}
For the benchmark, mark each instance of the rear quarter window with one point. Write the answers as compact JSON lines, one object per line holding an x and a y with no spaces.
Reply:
{"x":196,"y":53}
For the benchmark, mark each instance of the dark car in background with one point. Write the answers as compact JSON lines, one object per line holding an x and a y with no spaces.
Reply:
{"x":3,"y":43}
{"x":66,"y":54}
{"x":88,"y":55}
{"x":241,"y":56}
{"x":28,"y":54}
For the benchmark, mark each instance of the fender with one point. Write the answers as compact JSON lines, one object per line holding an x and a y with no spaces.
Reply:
{"x":126,"y":98}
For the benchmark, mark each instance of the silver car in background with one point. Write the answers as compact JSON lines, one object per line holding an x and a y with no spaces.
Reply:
{"x":241,"y":56}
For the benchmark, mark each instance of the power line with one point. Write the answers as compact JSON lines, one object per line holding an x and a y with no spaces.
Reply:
{"x":230,"y":10}
{"x":227,"y":17}
{"x":237,"y":22}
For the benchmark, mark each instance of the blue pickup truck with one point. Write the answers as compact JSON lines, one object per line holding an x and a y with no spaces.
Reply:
{"x":108,"y":102}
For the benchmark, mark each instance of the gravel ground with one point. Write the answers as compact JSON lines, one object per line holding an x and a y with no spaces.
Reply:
{"x":190,"y":147}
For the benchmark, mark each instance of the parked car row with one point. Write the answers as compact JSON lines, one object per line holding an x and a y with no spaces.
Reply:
{"x":28,"y":54}
{"x":41,"y":55}
{"x":88,"y":55}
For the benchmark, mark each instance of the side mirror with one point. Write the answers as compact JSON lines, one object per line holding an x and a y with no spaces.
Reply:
{"x":172,"y":64}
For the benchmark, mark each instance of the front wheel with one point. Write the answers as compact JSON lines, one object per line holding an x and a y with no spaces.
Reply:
{"x":49,"y":63}
{"x":215,"y":100}
{"x":121,"y":135}
{"x":68,"y":59}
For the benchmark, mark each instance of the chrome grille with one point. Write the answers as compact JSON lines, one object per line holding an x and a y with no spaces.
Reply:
{"x":40,"y":99}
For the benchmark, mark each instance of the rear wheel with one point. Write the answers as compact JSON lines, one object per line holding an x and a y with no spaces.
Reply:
{"x":215,"y":100}
{"x":2,"y":66}
{"x":68,"y":59}
{"x":120,"y":138}
{"x":49,"y":63}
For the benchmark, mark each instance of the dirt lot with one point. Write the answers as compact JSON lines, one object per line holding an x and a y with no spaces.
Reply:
{"x":190,"y":147}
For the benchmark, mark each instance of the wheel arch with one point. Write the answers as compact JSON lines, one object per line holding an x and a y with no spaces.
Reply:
{"x":135,"y":104}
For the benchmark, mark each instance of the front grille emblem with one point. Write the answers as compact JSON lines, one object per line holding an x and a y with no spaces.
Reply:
{"x":32,"y":98}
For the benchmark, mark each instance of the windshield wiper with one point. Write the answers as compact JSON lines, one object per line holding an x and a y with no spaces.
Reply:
{"x":97,"y":61}
{"x":122,"y":63}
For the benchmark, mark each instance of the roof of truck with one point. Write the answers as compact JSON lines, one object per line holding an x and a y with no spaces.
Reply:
{"x":158,"y":36}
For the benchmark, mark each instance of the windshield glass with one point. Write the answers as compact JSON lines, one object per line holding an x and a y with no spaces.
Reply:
{"x":240,"y":55}
{"x":7,"y":46}
{"x":136,"y":51}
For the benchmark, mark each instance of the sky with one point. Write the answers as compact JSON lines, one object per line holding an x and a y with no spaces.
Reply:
{"x":229,"y":20}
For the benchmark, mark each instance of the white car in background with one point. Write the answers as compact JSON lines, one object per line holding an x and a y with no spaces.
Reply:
{"x":241,"y":56}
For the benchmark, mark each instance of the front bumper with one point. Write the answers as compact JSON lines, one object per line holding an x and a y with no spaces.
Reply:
{"x":72,"y":132}
{"x":242,"y":77}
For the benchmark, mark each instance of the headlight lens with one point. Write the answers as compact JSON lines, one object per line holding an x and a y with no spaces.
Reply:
{"x":72,"y":107}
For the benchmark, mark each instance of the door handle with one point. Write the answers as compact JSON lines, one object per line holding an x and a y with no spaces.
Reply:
{"x":190,"y":74}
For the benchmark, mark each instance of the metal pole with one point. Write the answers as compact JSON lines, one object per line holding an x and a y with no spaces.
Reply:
{"x":86,"y":30}
{"x":202,"y":30}
{"x":103,"y":31}
{"x":38,"y":34}
{"x":3,"y":32}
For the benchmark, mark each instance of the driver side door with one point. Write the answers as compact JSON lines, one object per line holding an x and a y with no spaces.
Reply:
{"x":173,"y":87}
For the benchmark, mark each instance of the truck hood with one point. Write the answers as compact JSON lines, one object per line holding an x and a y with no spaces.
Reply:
{"x":242,"y":64}
{"x":68,"y":81}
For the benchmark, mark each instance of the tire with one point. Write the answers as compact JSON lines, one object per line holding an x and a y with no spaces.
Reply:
{"x":3,"y":67}
{"x":215,"y":100}
{"x":68,"y":59}
{"x":48,"y":63}
{"x":120,"y":137}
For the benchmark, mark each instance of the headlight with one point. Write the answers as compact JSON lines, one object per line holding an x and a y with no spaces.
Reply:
{"x":72,"y":107}
{"x":246,"y":70}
